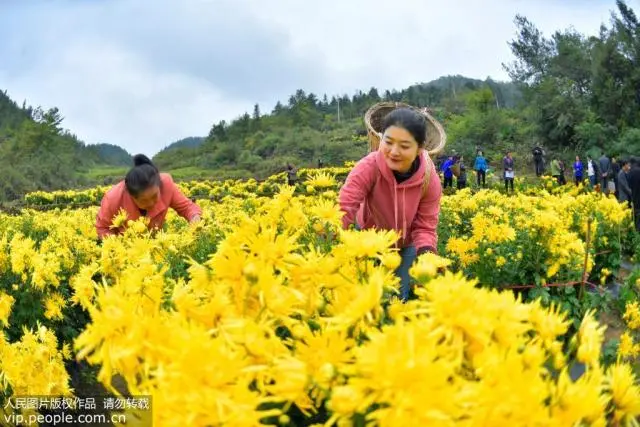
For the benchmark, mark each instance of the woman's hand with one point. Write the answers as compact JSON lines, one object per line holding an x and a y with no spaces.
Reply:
{"x":196,"y":223}
{"x":424,"y":250}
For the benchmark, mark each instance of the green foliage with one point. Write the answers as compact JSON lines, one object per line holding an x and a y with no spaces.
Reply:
{"x":629,"y":141}
{"x":106,"y":174}
{"x":173,"y":148}
{"x":482,"y":123}
{"x":629,"y":290}
{"x":610,"y":352}
{"x":37,"y":154}
{"x":583,"y":91}
{"x":11,"y":116}
{"x":109,"y":154}
{"x":309,"y":129}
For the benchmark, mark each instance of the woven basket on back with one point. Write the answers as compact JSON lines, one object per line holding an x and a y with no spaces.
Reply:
{"x":436,"y":136}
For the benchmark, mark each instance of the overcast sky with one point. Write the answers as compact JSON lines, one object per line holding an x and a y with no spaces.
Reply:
{"x":144,"y":73}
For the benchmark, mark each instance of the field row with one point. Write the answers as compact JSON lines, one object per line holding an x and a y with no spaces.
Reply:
{"x":267,"y":312}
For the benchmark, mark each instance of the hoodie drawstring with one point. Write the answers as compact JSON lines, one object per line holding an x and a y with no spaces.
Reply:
{"x":395,"y":205}
{"x":404,"y":215}
{"x":395,"y":211}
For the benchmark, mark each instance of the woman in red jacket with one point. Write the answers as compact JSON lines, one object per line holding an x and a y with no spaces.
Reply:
{"x":397,"y":188}
{"x":144,"y":192}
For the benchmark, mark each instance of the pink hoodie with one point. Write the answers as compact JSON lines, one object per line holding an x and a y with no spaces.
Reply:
{"x":118,"y":197}
{"x":392,"y":206}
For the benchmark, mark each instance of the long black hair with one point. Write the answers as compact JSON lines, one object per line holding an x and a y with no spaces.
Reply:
{"x":143,"y":175}
{"x":409,"y":120}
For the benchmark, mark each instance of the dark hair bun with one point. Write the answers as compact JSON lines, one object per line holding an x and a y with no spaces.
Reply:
{"x":141,"y":159}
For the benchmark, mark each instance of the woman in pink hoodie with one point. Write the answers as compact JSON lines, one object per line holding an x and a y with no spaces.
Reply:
{"x":397,"y":188}
{"x":144,"y":192}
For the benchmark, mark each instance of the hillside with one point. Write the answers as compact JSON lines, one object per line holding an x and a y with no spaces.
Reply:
{"x":506,"y":94}
{"x":176,"y":150}
{"x":308,"y":128}
{"x":110,"y":154}
{"x":37,"y":154}
{"x":189,"y":142}
{"x":11,"y":116}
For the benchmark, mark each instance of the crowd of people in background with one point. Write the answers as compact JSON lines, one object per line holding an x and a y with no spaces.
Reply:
{"x":453,"y":165}
{"x":606,"y":174}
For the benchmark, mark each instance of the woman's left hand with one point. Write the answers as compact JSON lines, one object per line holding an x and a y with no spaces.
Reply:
{"x":196,"y":223}
{"x":425,"y":249}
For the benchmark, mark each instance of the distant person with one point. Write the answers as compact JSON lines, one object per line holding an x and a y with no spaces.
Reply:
{"x":480,"y":166}
{"x":615,"y":171}
{"x":592,"y":172}
{"x":555,"y":170}
{"x":563,"y":170}
{"x":604,"y":165}
{"x":447,"y":171}
{"x":320,"y":163}
{"x":397,"y":188}
{"x":622,"y":188}
{"x":292,"y":174}
{"x":509,"y":173}
{"x":578,"y":171}
{"x":538,"y":160}
{"x":633,"y":179}
{"x":144,"y":192}
{"x":461,"y":181}
{"x":455,"y":156}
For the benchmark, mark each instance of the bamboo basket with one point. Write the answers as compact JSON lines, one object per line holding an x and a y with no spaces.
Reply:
{"x":373,"y":118}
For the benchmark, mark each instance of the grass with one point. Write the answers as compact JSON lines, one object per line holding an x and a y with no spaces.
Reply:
{"x":102,"y":172}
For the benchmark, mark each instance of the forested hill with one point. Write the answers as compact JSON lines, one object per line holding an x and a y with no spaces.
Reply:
{"x":308,"y":128}
{"x":37,"y":154}
{"x":110,"y":154}
{"x":175,"y":147}
{"x":189,"y":142}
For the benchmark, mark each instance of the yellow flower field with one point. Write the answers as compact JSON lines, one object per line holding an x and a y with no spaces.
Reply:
{"x":267,"y":313}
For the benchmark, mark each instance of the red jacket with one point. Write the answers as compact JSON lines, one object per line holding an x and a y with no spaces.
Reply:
{"x":118,"y":197}
{"x":387,"y":205}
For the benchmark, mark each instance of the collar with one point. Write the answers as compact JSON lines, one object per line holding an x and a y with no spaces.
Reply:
{"x":403,"y":176}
